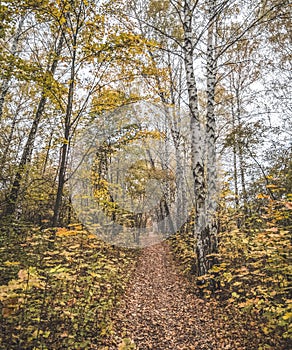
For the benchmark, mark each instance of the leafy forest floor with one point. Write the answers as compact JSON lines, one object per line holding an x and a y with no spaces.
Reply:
{"x":161,"y":311}
{"x":64,"y":289}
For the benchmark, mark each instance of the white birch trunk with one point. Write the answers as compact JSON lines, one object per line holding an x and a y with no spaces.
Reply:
{"x":211,"y":244}
{"x":197,"y":144}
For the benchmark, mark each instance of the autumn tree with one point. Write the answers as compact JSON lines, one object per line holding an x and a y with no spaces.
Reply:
{"x":107,"y":62}
{"x":28,"y":147}
{"x":203,"y":36}
{"x":162,"y":78}
{"x":21,"y":73}
{"x":253,"y":106}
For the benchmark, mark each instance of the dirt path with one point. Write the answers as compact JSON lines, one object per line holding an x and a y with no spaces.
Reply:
{"x":159,"y":312}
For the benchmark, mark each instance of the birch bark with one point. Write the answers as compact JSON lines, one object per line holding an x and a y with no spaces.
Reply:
{"x":211,"y":235}
{"x":197,"y":143}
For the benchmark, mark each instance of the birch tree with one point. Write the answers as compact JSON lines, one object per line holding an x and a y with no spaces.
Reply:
{"x":204,"y":43}
{"x":163,"y":79}
{"x":197,"y":143}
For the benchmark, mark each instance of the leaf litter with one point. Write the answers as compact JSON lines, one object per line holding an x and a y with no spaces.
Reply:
{"x":161,"y":311}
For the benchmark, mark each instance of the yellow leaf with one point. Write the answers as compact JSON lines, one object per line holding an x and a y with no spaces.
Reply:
{"x":266,"y":330}
{"x":271,"y":186}
{"x":12,"y":263}
{"x":287,"y":316}
{"x":62,"y":20}
{"x":262,"y":196}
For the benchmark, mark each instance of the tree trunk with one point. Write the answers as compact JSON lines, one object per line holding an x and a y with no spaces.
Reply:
{"x":211,"y":246}
{"x":235,"y":173}
{"x":28,"y":148}
{"x":240,"y":146}
{"x":65,"y":146}
{"x":5,"y":84}
{"x":197,"y":146}
{"x":10,"y":136}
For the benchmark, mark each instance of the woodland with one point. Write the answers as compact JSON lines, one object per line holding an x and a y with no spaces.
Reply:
{"x":145,"y":174}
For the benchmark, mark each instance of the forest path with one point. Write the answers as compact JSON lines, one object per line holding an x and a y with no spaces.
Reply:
{"x":159,"y":312}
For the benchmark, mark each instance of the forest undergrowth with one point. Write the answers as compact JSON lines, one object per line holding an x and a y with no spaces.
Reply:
{"x":57,"y":287}
{"x":63,"y":288}
{"x":252,"y":276}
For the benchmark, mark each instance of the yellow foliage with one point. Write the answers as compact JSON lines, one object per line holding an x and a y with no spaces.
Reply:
{"x":262,"y":196}
{"x":110,"y":99}
{"x":11,"y":263}
{"x":64,"y":232}
{"x":253,"y":265}
{"x":73,"y":282}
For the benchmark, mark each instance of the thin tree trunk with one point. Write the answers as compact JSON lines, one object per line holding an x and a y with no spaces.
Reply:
{"x":180,"y":183}
{"x":48,"y":152}
{"x":65,"y":147}
{"x":28,"y":148}
{"x":14,"y":48}
{"x":175,"y":121}
{"x":10,"y":137}
{"x":235,"y":173}
{"x":240,"y":155}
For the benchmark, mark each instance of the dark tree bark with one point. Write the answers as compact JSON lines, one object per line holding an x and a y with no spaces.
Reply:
{"x":28,"y":148}
{"x":67,"y":129}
